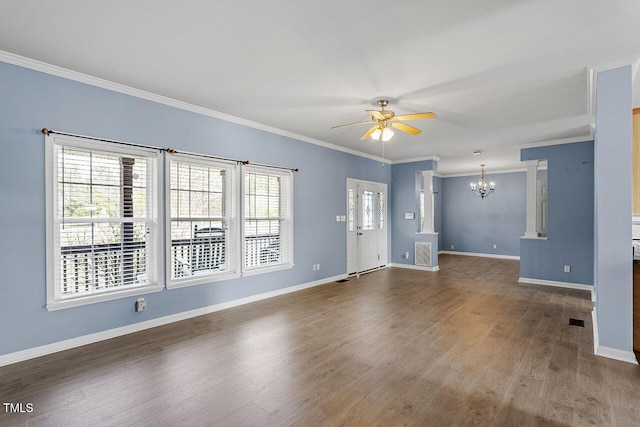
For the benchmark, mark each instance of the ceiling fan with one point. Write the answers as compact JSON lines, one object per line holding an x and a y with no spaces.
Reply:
{"x":383,"y":119}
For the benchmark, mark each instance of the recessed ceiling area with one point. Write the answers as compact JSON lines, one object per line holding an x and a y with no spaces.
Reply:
{"x":498,"y":74}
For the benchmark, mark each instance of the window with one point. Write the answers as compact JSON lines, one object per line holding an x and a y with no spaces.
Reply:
{"x":268,"y":228}
{"x":367,"y":210}
{"x":202,"y":228}
{"x":102,"y":215}
{"x":381,"y":209}
{"x":352,"y":210}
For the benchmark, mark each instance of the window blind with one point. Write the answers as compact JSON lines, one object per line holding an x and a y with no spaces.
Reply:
{"x":104,"y":218}
{"x":203,"y":240}
{"x":267,"y":217}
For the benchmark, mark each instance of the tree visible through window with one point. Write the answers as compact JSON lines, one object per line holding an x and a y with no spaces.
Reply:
{"x":102,"y":223}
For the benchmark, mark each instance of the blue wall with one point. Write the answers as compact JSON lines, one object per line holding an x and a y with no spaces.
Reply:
{"x":405,"y":197}
{"x":472,"y":224}
{"x":613,"y":258}
{"x":32,"y":100}
{"x":570,"y":216}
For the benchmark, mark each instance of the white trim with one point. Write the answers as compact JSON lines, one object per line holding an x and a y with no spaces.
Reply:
{"x":614,"y":353}
{"x":556,"y":284}
{"x":536,"y":237}
{"x":611,"y":353}
{"x":199,"y":280}
{"x":230,"y":218}
{"x":54,"y":70}
{"x":514,"y":257}
{"x":54,"y":300}
{"x":416,"y":159}
{"x":268,"y":269}
{"x":489,"y":172}
{"x":596,"y":336}
{"x":108,"y":296}
{"x":414,"y":267}
{"x":427,"y":233}
{"x":286,"y":221}
{"x":19,"y":356}
{"x":560,"y":141}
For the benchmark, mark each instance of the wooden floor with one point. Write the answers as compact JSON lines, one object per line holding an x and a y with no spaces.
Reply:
{"x":464,"y":346}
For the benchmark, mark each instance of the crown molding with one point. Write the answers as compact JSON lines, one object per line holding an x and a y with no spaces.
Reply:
{"x":476,"y":173}
{"x":76,"y":76}
{"x":557,"y":141}
{"x":416,"y":159}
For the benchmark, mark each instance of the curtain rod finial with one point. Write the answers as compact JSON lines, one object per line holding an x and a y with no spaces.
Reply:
{"x":45,"y":131}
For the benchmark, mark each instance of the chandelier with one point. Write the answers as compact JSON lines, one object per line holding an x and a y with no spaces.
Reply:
{"x":482,"y":189}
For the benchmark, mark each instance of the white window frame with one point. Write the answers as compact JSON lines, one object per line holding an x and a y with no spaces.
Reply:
{"x":231,"y":218}
{"x":286,"y":221}
{"x":54,"y":302}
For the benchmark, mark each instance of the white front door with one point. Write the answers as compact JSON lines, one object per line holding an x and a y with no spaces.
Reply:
{"x":366,"y":225}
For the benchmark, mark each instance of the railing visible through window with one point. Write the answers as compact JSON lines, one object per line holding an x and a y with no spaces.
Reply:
{"x":103,"y":224}
{"x":201,"y":211}
{"x":267,"y":218}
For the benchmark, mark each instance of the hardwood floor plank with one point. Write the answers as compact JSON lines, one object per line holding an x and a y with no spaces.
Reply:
{"x":468,"y":345}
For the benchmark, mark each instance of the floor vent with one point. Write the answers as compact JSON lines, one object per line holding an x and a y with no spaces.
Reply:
{"x":576,"y":322}
{"x":342,"y":280}
{"x":423,"y":254}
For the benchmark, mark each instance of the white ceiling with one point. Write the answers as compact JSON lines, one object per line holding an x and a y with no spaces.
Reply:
{"x":499,"y":73}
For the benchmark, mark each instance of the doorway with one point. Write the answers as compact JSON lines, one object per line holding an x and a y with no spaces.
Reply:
{"x":366,"y":225}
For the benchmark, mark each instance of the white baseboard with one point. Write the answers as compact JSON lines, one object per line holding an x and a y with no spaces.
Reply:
{"x":414,"y":267}
{"x":480,"y":255}
{"x":553,"y":283}
{"x":611,"y":353}
{"x":22,"y":355}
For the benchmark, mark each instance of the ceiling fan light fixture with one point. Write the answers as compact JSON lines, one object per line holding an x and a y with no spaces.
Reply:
{"x":382,"y":134}
{"x":383,"y":119}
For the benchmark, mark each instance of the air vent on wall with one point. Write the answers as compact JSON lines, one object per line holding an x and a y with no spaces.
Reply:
{"x":423,"y":254}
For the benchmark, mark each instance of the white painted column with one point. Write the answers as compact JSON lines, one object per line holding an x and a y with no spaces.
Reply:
{"x":427,"y":181}
{"x":532,"y":176}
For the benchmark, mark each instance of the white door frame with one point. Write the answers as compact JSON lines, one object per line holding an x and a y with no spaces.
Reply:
{"x":353,"y":237}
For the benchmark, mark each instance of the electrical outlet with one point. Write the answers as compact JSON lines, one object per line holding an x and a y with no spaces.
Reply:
{"x":338,"y":218}
{"x":451,"y":246}
{"x":317,"y":267}
{"x":567,"y":269}
{"x":495,"y":246}
{"x":141,"y":305}
{"x":313,"y":267}
{"x":406,"y":255}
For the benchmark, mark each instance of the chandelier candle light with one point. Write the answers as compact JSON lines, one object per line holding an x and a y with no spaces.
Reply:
{"x":482,"y":189}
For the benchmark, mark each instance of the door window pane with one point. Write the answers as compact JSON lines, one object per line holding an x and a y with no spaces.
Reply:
{"x":367,"y":210}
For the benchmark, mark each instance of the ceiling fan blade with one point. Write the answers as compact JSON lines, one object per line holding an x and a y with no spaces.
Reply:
{"x":377,"y":115}
{"x":405,"y":128}
{"x":368,"y":133}
{"x":416,"y":116}
{"x":352,"y":124}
